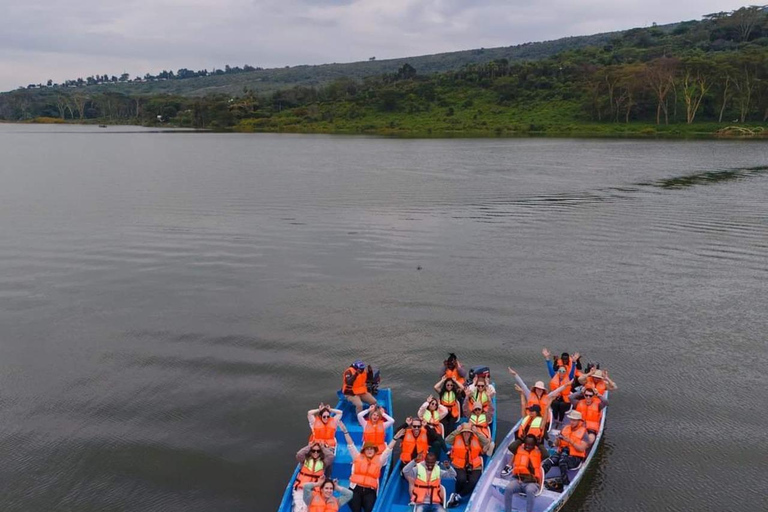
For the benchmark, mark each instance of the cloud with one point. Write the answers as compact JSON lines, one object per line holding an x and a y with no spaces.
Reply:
{"x":60,"y":39}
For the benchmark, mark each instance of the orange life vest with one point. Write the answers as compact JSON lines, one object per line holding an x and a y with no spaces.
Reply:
{"x":433,"y":418}
{"x":576,"y":436}
{"x":591,"y":414}
{"x":598,"y":384}
{"x":481,"y":422}
{"x":454,"y":374}
{"x":375,"y":433}
{"x":479,"y":397}
{"x":532,"y":426}
{"x":311,"y":471}
{"x":543,"y":402}
{"x":359,"y":385}
{"x":524,"y":459}
{"x":324,"y":433}
{"x":448,"y":399}
{"x":558,"y":381}
{"x":421,"y":444}
{"x":459,"y":456}
{"x":318,"y":503}
{"x":426,"y":486}
{"x":366,"y":472}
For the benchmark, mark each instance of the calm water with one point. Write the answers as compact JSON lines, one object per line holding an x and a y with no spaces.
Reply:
{"x":172,"y":304}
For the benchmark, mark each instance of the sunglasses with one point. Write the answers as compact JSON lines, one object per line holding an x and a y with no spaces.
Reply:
{"x":415,"y":426}
{"x":588,"y":396}
{"x":449,"y":385}
{"x":314,"y":451}
{"x":480,"y":386}
{"x":325,"y":416}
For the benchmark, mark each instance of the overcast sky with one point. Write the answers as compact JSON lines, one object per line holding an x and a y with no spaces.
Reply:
{"x":61,"y":39}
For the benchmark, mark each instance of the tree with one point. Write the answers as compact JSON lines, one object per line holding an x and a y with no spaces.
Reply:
{"x":695,"y":83}
{"x":660,"y":77}
{"x":745,"y":20}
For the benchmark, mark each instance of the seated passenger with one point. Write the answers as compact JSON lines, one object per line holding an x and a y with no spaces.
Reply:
{"x":591,"y":409}
{"x":482,"y":421}
{"x":425,"y":478}
{"x":467,"y":447}
{"x":323,"y":425}
{"x":366,"y":470}
{"x":538,"y":395}
{"x":319,"y":496}
{"x":481,"y":390}
{"x":417,"y":440}
{"x":354,"y":385}
{"x":527,"y":471}
{"x":532,"y":425}
{"x":572,"y":447}
{"x":375,"y":426}
{"x":452,"y":369}
{"x":561,"y":403}
{"x":450,"y":394}
{"x":315,"y":461}
{"x":599,"y":380}
{"x":432,"y":414}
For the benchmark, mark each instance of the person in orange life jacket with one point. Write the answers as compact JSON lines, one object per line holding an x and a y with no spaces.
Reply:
{"x":482,"y":421}
{"x":591,"y":409}
{"x":432,"y":413}
{"x":323,"y":425}
{"x":354,"y":385}
{"x":417,"y":439}
{"x":452,"y":369}
{"x":467,"y":446}
{"x":481,"y":390}
{"x":319,"y":496}
{"x":572,"y":447}
{"x":316,"y":461}
{"x":572,"y":364}
{"x":538,"y":394}
{"x":451,"y":396}
{"x":366,"y":470}
{"x":424,"y":479}
{"x":532,"y":425}
{"x":376,"y":425}
{"x":560,"y":404}
{"x":528,"y":473}
{"x":599,"y":380}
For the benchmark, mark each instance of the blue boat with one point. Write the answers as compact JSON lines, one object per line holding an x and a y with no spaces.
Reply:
{"x":342,"y":465}
{"x":489,"y":493}
{"x":395,"y":496}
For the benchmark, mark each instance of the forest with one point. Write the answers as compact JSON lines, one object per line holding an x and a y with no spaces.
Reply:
{"x":698,"y":75}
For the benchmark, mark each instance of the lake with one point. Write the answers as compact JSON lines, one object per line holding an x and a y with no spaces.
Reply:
{"x":173,"y":303}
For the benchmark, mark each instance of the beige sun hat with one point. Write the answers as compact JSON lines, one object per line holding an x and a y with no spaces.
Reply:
{"x":598,"y":374}
{"x":539,"y":384}
{"x":574,"y":415}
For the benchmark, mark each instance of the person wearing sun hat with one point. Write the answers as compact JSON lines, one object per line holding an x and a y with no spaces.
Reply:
{"x":599,"y":380}
{"x":572,"y":447}
{"x":366,"y":471}
{"x":467,"y":446}
{"x":538,"y":394}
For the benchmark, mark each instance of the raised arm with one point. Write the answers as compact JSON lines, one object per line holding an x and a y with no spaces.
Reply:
{"x":387,"y":453}
{"x":346,"y":495}
{"x":553,"y":394}
{"x":350,"y":443}
{"x":519,"y":382}
{"x":388,"y":420}
{"x":422,"y":409}
{"x":437,"y":387}
{"x":361,"y":417}
{"x":442,"y":411}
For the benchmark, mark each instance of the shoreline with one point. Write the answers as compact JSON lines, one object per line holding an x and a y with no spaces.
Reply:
{"x":699,"y":131}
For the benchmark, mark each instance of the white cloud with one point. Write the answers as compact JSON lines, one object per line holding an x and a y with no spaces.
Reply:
{"x":62,"y":39}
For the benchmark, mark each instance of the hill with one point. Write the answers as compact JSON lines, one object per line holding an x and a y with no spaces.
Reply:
{"x":266,"y":80}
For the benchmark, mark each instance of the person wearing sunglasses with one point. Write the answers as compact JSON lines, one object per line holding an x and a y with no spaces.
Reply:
{"x":432,"y":413}
{"x":316,"y":462}
{"x":417,"y":440}
{"x":591,"y":406}
{"x":323,"y":422}
{"x":451,"y":396}
{"x":480,"y":391}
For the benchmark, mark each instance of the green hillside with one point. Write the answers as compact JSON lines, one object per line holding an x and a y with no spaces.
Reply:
{"x":697,"y":77}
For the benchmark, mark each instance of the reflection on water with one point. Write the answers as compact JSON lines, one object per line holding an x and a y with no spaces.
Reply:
{"x":173,"y":304}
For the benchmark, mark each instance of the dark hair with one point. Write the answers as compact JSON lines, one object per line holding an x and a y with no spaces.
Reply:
{"x":313,"y":445}
{"x":327,"y":481}
{"x":455,"y":386}
{"x":532,"y":437}
{"x":430,"y":455}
